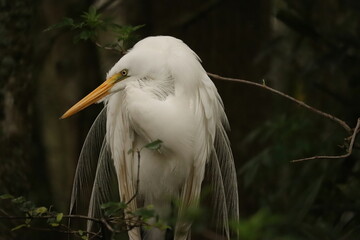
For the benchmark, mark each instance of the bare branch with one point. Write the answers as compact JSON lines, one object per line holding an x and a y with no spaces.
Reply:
{"x":324,"y":114}
{"x":61,"y":228}
{"x":101,"y":221}
{"x":67,"y":231}
{"x":107,"y":225}
{"x":342,"y":123}
{"x":51,"y":216}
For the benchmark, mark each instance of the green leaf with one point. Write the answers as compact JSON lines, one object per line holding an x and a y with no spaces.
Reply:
{"x":39,"y":211}
{"x":91,"y":15}
{"x":86,"y":35}
{"x":155,"y":145}
{"x":146,"y":212}
{"x":19,"y":227}
{"x":27,"y":221}
{"x":137,"y":27}
{"x":113,"y":208}
{"x":53,"y":222}
{"x":92,"y":12}
{"x":27,"y":206}
{"x":59,"y":217}
{"x":6,"y":196}
{"x":18,"y":200}
{"x":82,"y":235}
{"x":256,"y":225}
{"x":93,"y":20}
{"x":161,"y":225}
{"x":124,"y":32}
{"x":65,"y":22}
{"x":113,"y":204}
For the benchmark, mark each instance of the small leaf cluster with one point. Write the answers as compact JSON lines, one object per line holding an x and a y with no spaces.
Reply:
{"x":155,"y":145}
{"x":113,"y":209}
{"x":114,"y":214}
{"x":31,"y":212}
{"x":92,"y":23}
{"x":33,"y":217}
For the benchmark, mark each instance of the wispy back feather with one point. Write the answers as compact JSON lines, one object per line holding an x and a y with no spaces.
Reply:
{"x":87,"y":165}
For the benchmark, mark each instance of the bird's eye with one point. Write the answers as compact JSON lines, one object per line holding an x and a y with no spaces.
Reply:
{"x":124,"y":72}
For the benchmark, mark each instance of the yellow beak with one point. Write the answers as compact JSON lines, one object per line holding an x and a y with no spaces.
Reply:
{"x":93,"y":97}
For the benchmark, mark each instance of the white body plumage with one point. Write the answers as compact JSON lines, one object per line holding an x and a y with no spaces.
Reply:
{"x":164,"y":93}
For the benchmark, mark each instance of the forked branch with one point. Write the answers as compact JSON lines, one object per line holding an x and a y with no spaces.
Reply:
{"x":349,"y":149}
{"x":353,"y":132}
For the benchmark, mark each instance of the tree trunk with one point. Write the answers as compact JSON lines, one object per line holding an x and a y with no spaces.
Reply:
{"x":68,"y":72}
{"x":19,"y":141}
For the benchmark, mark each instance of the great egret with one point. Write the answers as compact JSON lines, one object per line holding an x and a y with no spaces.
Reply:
{"x":158,"y":90}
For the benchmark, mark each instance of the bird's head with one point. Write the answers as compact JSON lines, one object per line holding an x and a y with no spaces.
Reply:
{"x":152,"y":58}
{"x":99,"y":94}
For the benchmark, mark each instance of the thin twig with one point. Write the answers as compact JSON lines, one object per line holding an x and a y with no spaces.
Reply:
{"x":67,"y":231}
{"x":4,"y":212}
{"x":58,"y":228}
{"x":107,"y":225}
{"x":128,"y":225}
{"x":109,"y":48}
{"x":349,"y":150}
{"x":6,"y":216}
{"x":52,"y":216}
{"x":102,"y":221}
{"x":324,"y":114}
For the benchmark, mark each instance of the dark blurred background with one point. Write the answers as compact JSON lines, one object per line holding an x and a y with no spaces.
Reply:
{"x":309,"y":49}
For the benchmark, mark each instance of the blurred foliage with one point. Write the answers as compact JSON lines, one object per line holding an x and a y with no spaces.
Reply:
{"x":317,"y":46}
{"x":113,"y":213}
{"x":92,"y":23}
{"x":21,"y":213}
{"x":315,"y":54}
{"x":261,"y":225}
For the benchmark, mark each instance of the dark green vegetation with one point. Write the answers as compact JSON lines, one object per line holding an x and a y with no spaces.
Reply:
{"x":307,"y":49}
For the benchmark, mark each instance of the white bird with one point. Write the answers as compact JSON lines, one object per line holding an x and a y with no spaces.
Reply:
{"x":158,"y":90}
